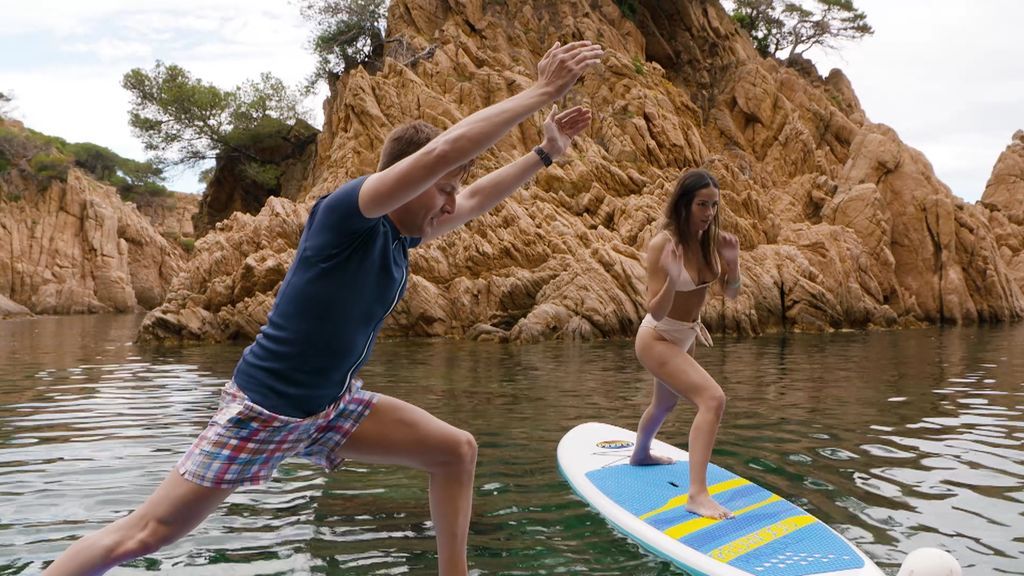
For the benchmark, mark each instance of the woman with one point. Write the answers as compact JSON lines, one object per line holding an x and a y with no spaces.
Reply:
{"x":682,"y":261}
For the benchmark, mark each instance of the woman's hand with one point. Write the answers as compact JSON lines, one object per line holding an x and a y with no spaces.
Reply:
{"x":729,"y":251}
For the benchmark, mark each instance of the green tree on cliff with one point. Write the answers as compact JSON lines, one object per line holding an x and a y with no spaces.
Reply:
{"x":184,"y":121}
{"x":785,"y":29}
{"x":346,"y":34}
{"x":134,"y":180}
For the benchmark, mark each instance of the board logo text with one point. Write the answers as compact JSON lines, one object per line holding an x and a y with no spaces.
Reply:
{"x":615,"y":444}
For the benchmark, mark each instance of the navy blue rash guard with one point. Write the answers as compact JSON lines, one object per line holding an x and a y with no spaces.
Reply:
{"x":349,"y":272}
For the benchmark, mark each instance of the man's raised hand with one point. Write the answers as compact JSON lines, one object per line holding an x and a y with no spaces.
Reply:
{"x":560,"y":129}
{"x":559,"y":69}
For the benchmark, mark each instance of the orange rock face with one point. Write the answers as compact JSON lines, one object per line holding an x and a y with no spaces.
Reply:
{"x":172,"y":215}
{"x":76,"y":247}
{"x":1004,"y":196}
{"x":230,"y":281}
{"x":841,"y":224}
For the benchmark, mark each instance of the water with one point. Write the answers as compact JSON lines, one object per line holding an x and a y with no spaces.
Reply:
{"x":897,"y":439}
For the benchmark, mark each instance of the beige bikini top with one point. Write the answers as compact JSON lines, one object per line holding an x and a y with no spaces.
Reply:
{"x":688,"y":285}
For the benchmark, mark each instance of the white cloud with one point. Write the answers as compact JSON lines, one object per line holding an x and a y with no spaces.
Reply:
{"x":110,"y":50}
{"x":77,"y":106}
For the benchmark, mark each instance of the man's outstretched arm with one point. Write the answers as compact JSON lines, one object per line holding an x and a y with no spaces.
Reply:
{"x":557,"y":71}
{"x":487,"y":192}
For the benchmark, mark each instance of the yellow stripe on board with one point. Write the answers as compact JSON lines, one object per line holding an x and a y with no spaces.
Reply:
{"x":690,"y":526}
{"x":755,"y":540}
{"x":681,"y":500}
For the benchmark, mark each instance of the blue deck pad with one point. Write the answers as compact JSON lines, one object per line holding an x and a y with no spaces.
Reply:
{"x":735,"y":499}
{"x":641,"y":489}
{"x":811,"y":550}
{"x":721,"y":533}
{"x":754,"y":540}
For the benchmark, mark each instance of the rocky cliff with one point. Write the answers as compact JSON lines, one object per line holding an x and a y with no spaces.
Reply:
{"x":171,"y":215}
{"x":70,"y":245}
{"x":11,"y":309}
{"x":1004,"y":197}
{"x":841,"y":223}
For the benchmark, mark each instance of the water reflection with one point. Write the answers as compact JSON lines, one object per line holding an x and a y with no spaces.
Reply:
{"x":897,"y":439}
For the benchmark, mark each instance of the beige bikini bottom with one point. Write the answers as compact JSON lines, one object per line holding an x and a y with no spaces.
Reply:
{"x":680,"y":333}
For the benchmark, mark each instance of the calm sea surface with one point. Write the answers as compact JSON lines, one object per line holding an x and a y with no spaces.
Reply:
{"x":896,"y":439}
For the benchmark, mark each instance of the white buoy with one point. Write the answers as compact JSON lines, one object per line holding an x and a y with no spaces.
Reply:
{"x":930,"y":562}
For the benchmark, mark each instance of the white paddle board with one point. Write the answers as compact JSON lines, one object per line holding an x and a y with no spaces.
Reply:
{"x":769,"y":536}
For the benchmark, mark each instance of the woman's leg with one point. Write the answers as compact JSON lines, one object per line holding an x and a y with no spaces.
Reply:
{"x":682,"y":374}
{"x":663,"y":400}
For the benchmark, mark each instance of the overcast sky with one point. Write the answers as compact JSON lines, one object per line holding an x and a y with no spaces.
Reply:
{"x":948,"y":75}
{"x":63,"y":59}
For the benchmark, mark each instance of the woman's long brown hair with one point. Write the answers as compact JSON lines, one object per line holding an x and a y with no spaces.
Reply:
{"x":677,"y":215}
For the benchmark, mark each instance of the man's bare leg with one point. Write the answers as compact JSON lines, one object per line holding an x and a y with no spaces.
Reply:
{"x":396,"y":432}
{"x":172,"y":511}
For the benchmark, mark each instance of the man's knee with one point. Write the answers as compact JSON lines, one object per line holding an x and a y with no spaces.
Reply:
{"x":145,"y":537}
{"x":460,"y":450}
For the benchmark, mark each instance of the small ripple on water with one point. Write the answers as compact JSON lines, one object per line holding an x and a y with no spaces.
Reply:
{"x":837,"y":453}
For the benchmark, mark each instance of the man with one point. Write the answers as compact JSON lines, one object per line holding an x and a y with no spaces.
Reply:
{"x":294,"y":391}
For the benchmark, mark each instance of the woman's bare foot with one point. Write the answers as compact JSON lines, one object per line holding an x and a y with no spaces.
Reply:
{"x":649,"y":459}
{"x":707,"y":507}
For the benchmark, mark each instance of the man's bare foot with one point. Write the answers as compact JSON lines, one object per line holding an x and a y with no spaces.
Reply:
{"x":707,"y":507}
{"x":649,"y":459}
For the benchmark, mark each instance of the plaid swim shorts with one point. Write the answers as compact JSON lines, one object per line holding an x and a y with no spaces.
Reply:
{"x":243,"y":443}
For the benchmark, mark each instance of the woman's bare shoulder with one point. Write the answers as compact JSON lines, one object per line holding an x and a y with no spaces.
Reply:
{"x":659,"y":241}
